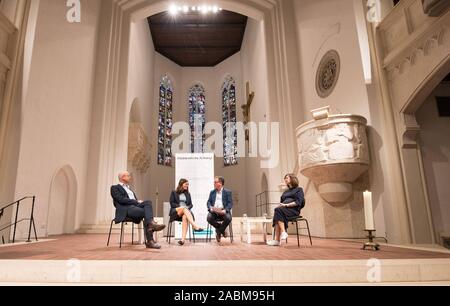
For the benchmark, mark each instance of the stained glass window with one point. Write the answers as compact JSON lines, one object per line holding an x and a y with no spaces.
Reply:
{"x":165,"y":122}
{"x":230,"y":151}
{"x":197,"y":117}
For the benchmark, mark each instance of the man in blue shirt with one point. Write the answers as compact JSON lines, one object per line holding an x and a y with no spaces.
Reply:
{"x":220,"y":204}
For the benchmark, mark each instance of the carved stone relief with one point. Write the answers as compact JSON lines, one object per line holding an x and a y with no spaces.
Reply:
{"x":138,"y":148}
{"x":334,"y":153}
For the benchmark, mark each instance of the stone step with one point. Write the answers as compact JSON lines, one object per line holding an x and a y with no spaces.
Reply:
{"x":227,"y":272}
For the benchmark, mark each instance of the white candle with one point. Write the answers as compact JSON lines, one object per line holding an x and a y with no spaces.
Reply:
{"x":368,"y":211}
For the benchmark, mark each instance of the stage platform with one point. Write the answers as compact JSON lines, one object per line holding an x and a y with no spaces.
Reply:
{"x":328,"y":261}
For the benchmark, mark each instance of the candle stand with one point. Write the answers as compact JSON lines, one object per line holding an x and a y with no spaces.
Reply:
{"x":371,"y":244}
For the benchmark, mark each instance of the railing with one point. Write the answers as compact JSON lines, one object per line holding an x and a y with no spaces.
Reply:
{"x":17,"y":221}
{"x":263,"y":202}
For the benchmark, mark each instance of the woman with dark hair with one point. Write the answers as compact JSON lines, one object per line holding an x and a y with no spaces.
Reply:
{"x":292,"y":202}
{"x":181,"y":209}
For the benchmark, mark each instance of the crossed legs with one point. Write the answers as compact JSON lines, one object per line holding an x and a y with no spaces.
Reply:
{"x":187,"y":218}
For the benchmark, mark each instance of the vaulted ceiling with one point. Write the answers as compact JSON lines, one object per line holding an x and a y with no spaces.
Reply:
{"x":197,"y":40}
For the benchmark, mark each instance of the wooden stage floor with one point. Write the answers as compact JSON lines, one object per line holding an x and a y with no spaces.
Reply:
{"x":93,"y":247}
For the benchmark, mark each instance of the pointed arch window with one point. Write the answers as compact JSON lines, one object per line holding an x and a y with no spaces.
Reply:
{"x":165,"y":122}
{"x":230,"y":151}
{"x":197,"y":118}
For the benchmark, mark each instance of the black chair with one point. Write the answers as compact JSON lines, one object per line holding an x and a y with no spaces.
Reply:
{"x":209,"y":232}
{"x":169,"y":233}
{"x":298,"y":220}
{"x":127,"y":220}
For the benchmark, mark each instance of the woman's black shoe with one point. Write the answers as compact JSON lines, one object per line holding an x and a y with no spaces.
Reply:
{"x":181,"y":243}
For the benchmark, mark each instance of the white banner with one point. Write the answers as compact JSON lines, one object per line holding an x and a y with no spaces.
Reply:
{"x":198,"y":169}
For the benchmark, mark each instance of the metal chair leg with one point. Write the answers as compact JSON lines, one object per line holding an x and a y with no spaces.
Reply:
{"x":309,"y":232}
{"x":168,"y":232}
{"x":231,"y":232}
{"x":208,"y":233}
{"x":190,"y":233}
{"x":110,"y":230}
{"x":169,"y":236}
{"x":145,"y":233}
{"x":132,"y":233}
{"x":121,"y":234}
{"x":35,"y":232}
{"x":298,"y":234}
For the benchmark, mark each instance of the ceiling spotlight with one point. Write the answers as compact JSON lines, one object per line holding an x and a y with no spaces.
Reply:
{"x":173,"y":10}
{"x":204,"y":9}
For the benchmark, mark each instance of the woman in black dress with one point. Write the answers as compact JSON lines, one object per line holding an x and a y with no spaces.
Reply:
{"x":181,"y":209}
{"x":292,"y":202}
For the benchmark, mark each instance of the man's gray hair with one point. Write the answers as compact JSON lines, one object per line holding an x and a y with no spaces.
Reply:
{"x":121,"y":174}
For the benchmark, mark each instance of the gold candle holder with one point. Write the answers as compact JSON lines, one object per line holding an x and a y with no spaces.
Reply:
{"x":371,"y":244}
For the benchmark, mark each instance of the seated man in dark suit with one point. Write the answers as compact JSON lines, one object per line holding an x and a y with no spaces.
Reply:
{"x":220,"y":204}
{"x":128,"y":206}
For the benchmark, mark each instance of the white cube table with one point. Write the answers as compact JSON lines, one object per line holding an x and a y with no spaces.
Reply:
{"x":247,"y":224}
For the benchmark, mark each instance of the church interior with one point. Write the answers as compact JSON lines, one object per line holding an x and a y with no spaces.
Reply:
{"x":351,"y":96}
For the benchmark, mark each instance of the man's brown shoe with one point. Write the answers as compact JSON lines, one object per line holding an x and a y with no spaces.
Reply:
{"x":155,"y":227}
{"x":152,"y":245}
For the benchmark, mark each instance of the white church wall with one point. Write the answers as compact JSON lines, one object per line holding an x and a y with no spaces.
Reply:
{"x":9,"y":156}
{"x":323,"y":26}
{"x":435,"y":144}
{"x":326,"y":25}
{"x":254,"y":71}
{"x":141,"y":92}
{"x":56,"y":111}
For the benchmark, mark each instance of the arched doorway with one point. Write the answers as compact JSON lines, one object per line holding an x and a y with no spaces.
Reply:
{"x":63,"y":199}
{"x":433,"y":117}
{"x":411,"y":72}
